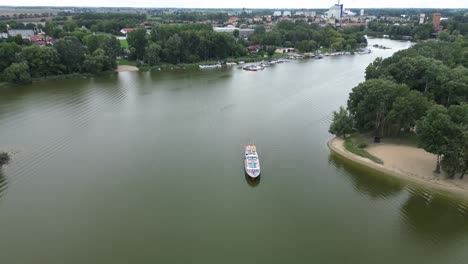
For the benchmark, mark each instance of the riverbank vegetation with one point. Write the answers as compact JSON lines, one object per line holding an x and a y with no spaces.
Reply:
{"x":309,"y":37}
{"x":456,"y":25}
{"x":422,"y":90}
{"x":87,"y":44}
{"x":93,"y":54}
{"x":414,"y":30}
{"x":356,"y":144}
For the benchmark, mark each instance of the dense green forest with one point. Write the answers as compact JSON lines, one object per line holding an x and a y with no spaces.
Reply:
{"x":456,"y":25}
{"x":69,"y":55}
{"x":108,"y":22}
{"x":422,"y":90}
{"x":309,"y":37}
{"x":185,"y":43}
{"x":93,"y":51}
{"x":194,"y":16}
{"x":414,"y":30}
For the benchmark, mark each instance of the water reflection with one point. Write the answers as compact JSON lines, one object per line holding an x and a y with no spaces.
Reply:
{"x":251,"y":181}
{"x":367,"y":181}
{"x":3,"y":183}
{"x":434,"y":216}
{"x":431,"y":215}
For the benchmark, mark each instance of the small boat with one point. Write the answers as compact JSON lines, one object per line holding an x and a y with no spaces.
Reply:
{"x":266,"y":64}
{"x":364,"y":51}
{"x":210,"y":66}
{"x":251,"y":161}
{"x":253,"y":68}
{"x":283,"y":60}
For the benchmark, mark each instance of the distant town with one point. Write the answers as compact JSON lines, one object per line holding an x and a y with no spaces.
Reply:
{"x":89,"y":41}
{"x":31,"y":21}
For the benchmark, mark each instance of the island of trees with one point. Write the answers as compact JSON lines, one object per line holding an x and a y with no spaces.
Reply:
{"x":420,"y":91}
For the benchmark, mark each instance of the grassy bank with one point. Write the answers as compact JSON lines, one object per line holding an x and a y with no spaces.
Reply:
{"x":124,"y":43}
{"x":126,"y":62}
{"x":356,"y":145}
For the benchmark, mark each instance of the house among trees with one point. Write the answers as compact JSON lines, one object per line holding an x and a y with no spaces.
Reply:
{"x":233,"y":20}
{"x":254,"y":48}
{"x":41,"y":40}
{"x":125,"y":31}
{"x":284,"y":50}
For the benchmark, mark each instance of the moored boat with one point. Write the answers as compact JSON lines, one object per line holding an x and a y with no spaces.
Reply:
{"x":253,"y":68}
{"x":210,"y":66}
{"x":266,"y":64}
{"x":251,"y":161}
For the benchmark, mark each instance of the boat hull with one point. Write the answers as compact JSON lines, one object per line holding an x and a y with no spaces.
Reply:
{"x":251,"y":162}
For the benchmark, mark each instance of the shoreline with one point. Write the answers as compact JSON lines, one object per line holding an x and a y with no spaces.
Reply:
{"x":450,"y":186}
{"x":126,"y":68}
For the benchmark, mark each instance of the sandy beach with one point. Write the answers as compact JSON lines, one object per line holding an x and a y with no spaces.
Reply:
{"x":126,"y":68}
{"x":406,"y":162}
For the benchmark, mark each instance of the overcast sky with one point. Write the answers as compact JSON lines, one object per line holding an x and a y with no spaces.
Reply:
{"x":244,"y":3}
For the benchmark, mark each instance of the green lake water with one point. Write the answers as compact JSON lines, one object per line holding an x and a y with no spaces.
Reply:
{"x":146,"y":167}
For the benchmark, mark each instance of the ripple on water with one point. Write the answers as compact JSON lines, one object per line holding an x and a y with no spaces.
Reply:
{"x":434,"y":217}
{"x":79,"y":115}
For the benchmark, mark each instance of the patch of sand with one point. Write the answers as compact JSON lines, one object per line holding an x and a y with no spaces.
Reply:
{"x":406,"y":162}
{"x":126,"y":68}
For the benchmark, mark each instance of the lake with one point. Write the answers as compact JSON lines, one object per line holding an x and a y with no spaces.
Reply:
{"x":147,"y":167}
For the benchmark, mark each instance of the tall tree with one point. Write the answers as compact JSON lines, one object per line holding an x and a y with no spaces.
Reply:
{"x":7,"y":54}
{"x":435,"y":131}
{"x":407,"y":110}
{"x":342,"y":123}
{"x":17,"y":73}
{"x":371,"y":101}
{"x":112,"y":48}
{"x":71,"y":53}
{"x":137,"y":40}
{"x":97,"y":62}
{"x":153,"y":54}
{"x":42,"y":61}
{"x":173,"y":49}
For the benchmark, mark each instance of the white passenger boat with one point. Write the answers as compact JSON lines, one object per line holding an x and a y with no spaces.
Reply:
{"x":251,"y":161}
{"x":253,"y":68}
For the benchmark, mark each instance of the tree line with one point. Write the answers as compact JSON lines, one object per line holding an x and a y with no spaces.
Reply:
{"x":108,"y":22}
{"x":182,"y":44}
{"x":195,"y":16}
{"x":94,"y":54}
{"x":414,"y":30}
{"x":309,"y":37}
{"x":421,"y":90}
{"x":80,"y":50}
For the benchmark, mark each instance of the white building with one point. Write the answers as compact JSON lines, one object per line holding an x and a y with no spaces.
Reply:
{"x":362,"y":12}
{"x":299,"y":13}
{"x":277,"y":13}
{"x":335,"y":11}
{"x":422,"y":18}
{"x":348,"y":13}
{"x":286,"y":13}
